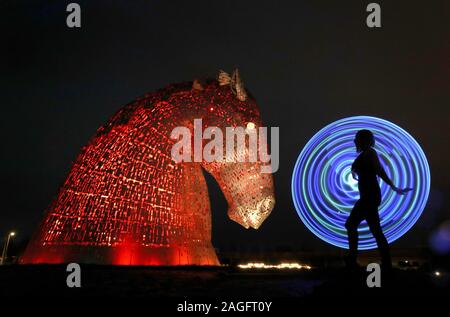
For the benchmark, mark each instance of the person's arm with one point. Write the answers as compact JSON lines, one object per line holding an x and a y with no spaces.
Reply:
{"x":380,"y":170}
{"x":382,"y":173}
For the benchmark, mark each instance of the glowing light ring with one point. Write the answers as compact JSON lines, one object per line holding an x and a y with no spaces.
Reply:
{"x":324,"y":191}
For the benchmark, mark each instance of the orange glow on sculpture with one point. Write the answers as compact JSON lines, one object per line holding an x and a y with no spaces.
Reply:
{"x":126,"y":202}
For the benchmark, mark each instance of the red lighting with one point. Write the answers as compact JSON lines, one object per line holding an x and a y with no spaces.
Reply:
{"x":126,"y":202}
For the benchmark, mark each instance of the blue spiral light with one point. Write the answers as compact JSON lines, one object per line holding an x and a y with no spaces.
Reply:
{"x":324,"y":191}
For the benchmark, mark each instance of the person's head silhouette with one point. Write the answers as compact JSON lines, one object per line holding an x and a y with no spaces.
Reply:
{"x":364,"y":140}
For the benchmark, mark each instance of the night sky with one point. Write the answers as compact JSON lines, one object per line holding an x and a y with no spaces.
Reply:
{"x":308,"y":63}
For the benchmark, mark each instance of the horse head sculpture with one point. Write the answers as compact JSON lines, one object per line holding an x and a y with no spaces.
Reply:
{"x":126,"y":201}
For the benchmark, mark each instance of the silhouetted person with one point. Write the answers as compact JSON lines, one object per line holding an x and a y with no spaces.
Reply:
{"x":365,"y":169}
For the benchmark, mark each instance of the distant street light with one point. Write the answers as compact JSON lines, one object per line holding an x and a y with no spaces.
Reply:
{"x":5,"y":247}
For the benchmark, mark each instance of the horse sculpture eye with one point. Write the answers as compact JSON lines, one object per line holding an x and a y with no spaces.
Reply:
{"x":251,"y":126}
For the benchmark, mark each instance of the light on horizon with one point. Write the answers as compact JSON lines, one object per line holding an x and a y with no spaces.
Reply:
{"x":281,"y":266}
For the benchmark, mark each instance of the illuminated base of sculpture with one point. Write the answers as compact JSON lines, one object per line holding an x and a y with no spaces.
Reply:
{"x":129,"y":255}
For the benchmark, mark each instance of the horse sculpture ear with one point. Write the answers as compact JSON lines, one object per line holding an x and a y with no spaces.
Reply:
{"x":235,"y":82}
{"x":238,"y":86}
{"x":224,"y":78}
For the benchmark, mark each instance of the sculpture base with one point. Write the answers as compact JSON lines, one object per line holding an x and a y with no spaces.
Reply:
{"x":121,"y":255}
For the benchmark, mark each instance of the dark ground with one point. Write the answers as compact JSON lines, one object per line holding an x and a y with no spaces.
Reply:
{"x":214,"y":283}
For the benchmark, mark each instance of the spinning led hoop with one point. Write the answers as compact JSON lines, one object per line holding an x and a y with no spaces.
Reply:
{"x":324,"y":191}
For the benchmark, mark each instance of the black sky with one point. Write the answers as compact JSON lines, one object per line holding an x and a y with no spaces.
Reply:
{"x":308,"y":63}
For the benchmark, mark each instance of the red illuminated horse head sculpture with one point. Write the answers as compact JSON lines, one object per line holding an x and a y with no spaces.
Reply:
{"x":126,"y":202}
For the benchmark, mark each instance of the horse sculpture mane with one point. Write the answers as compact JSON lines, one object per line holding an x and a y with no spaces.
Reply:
{"x":126,"y":202}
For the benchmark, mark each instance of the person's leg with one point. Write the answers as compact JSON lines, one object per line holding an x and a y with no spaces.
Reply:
{"x":373,"y":220}
{"x":352,"y":223}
